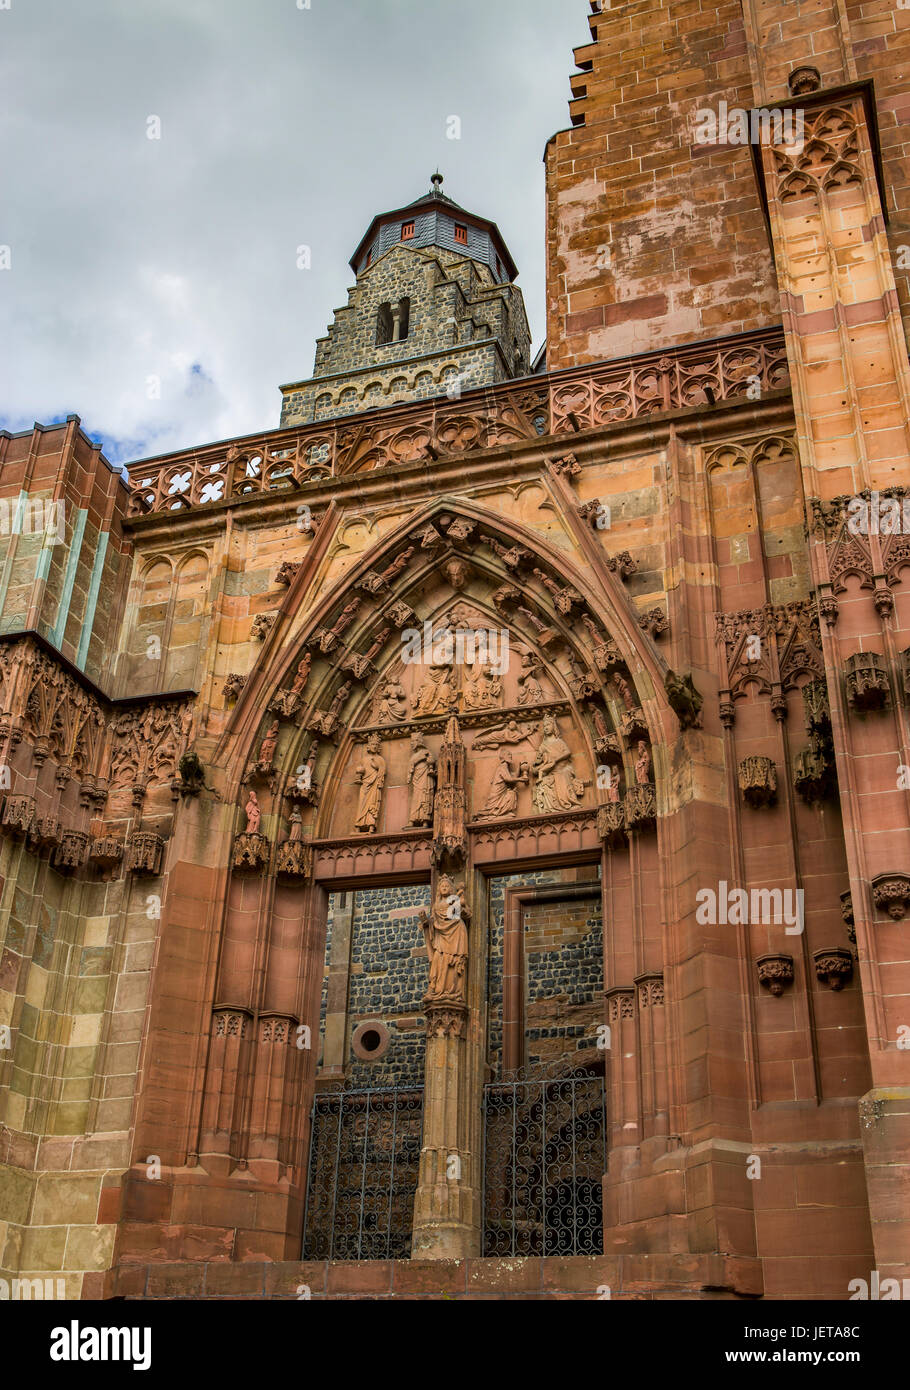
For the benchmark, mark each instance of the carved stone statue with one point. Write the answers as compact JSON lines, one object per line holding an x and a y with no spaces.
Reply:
{"x":294,"y":859}
{"x":253,"y":814}
{"x":345,"y":617}
{"x":398,"y":564}
{"x":268,"y":745}
{"x":302,"y":676}
{"x":341,"y":694}
{"x":503,"y":796}
{"x":643,"y":763}
{"x":483,"y":688}
{"x":371,"y":776}
{"x":556,"y":786}
{"x":600,"y":724}
{"x":446,"y":935}
{"x":422,"y":781}
{"x":625,"y":691}
{"x":393,"y":703}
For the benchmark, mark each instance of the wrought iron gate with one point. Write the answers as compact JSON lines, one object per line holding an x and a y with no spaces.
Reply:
{"x":362,"y":1175}
{"x":544,"y":1160}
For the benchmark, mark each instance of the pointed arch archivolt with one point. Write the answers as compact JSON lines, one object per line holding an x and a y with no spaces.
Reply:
{"x":576,"y":629}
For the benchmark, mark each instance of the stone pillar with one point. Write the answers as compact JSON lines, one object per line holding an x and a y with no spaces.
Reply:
{"x":851,"y":392}
{"x":447,"y":1204}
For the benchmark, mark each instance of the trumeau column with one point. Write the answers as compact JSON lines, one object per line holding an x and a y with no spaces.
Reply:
{"x":446,"y":1205}
{"x":851,"y":391}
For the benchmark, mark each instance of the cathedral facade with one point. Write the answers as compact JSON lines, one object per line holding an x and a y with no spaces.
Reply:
{"x":458,"y":841}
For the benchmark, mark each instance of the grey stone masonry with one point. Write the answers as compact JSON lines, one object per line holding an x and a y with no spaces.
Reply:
{"x":419,"y":322}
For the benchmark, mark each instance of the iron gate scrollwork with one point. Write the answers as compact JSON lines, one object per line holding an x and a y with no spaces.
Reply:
{"x":362,"y":1175}
{"x":544,"y":1161}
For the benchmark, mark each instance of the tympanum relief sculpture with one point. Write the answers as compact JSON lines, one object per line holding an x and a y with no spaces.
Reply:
{"x":438,"y":693}
{"x":482,"y":687}
{"x":557,"y":787}
{"x":502,"y":799}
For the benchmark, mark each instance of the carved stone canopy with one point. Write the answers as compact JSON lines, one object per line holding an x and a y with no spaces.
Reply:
{"x":634,"y":726}
{"x":611,"y":824}
{"x":18,"y":813}
{"x":294,"y":860}
{"x":250,"y":852}
{"x":144,"y":853}
{"x":846,"y":907}
{"x":640,"y":807}
{"x":44,"y":832}
{"x":891,"y":894}
{"x":445,"y":1020}
{"x":814,"y":771}
{"x":775,"y":972}
{"x":867,"y":681}
{"x":72,"y":849}
{"x":758,"y":781}
{"x":834,"y":967}
{"x":817,"y":708}
{"x":106,"y":851}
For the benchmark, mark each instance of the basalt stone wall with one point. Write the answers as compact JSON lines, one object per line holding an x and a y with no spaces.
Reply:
{"x":387,"y":980}
{"x":462,"y":326}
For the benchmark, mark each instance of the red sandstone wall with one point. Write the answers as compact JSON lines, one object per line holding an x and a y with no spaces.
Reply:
{"x":688,"y":250}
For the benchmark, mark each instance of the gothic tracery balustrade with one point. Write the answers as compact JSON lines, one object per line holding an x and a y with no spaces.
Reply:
{"x":744,"y":365}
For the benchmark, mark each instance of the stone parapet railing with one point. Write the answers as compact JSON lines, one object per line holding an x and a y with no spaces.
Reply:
{"x":746,"y":365}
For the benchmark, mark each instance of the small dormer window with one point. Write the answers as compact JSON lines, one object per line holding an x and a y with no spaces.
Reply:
{"x":407,"y":231}
{"x":461,"y":233}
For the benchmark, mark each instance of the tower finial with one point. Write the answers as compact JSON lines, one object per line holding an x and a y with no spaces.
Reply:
{"x":436,"y":181}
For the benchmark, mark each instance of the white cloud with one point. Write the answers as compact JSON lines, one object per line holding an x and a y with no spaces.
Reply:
{"x":175,"y":259}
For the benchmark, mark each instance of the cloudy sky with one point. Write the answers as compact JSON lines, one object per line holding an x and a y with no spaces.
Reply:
{"x":169,"y":265}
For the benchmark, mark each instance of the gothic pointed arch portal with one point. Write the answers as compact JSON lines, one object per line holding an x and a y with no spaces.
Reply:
{"x":466,"y":705}
{"x":458,"y":613}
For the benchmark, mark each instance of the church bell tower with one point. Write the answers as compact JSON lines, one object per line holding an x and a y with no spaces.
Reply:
{"x":434,"y":312}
